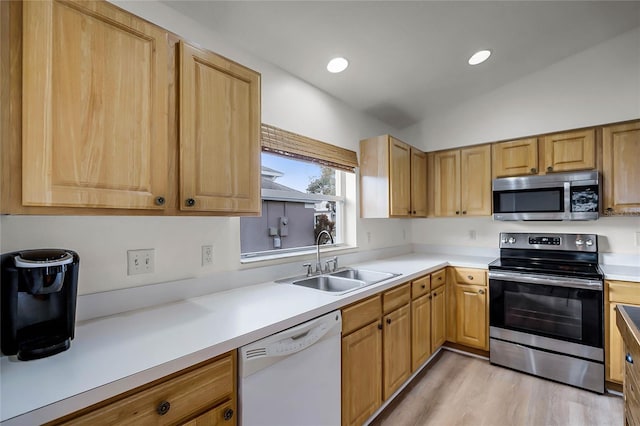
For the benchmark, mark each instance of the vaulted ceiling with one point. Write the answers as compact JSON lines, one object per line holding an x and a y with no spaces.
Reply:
{"x":409,"y":58}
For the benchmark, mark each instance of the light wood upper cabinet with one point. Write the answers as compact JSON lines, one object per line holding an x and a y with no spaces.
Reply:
{"x":219,"y":133}
{"x":94,"y":102}
{"x":400,"y":178}
{"x":569,"y":151}
{"x":620,"y":169}
{"x":475,"y":181}
{"x":462,"y":182}
{"x":446,"y":183}
{"x":515,"y":158}
{"x":418,"y":183}
{"x":393,"y":179}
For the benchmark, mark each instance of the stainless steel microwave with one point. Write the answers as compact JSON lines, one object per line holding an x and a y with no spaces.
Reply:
{"x":561,"y":196}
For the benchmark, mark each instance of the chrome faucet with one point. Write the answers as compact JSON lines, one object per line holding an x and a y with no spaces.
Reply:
{"x":318,"y":264}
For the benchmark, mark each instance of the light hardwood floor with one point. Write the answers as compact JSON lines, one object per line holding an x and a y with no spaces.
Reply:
{"x":462,"y":390}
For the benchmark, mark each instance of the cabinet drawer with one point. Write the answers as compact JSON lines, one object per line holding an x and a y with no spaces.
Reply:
{"x":438,"y":278}
{"x":361,"y":314}
{"x":624,"y":292}
{"x":183,"y":396}
{"x":470,"y":276}
{"x":396,"y":297}
{"x":420,"y":286}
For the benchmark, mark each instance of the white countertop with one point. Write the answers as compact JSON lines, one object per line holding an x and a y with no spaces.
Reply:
{"x":113,"y":354}
{"x":621,"y":272}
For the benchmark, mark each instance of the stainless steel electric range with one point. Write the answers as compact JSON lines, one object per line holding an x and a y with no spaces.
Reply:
{"x":547,"y":308}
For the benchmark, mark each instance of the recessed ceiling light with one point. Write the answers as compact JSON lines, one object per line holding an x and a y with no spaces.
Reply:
{"x":479,"y":57}
{"x":337,"y":65}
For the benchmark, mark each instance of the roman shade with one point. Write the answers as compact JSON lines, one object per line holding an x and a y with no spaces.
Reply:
{"x":293,"y":145}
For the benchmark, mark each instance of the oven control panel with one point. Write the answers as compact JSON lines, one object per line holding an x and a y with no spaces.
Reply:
{"x":563,"y":242}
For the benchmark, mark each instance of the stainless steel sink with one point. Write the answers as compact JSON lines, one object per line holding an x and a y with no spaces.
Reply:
{"x":331,"y":284}
{"x":369,"y":277}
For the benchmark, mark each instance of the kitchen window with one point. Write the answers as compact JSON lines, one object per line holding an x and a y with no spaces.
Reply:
{"x":304,"y":186}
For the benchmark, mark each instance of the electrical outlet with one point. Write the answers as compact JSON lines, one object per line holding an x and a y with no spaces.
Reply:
{"x":404,"y":235}
{"x":472,"y":234}
{"x":368,"y":237}
{"x":140,"y":261}
{"x":207,"y":255}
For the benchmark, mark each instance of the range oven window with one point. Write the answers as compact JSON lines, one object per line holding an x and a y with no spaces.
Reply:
{"x":527,"y":201}
{"x":569,"y":314}
{"x":551,"y":315}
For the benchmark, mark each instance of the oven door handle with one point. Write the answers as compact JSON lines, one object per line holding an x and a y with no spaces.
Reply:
{"x":551,"y":280}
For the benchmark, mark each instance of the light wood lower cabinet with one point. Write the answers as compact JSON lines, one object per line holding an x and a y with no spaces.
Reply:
{"x":617,"y":292}
{"x":428,"y":317}
{"x":361,"y":374}
{"x":203,"y":395}
{"x":471,"y":307}
{"x":396,"y":349}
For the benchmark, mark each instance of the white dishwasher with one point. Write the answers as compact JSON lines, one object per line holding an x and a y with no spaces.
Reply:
{"x":292,"y":378}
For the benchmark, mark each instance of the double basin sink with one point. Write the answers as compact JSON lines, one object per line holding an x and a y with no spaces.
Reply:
{"x":341,"y":281}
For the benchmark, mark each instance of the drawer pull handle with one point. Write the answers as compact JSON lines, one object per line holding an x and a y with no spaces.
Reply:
{"x":470,"y":277}
{"x":629,"y":358}
{"x":163,"y":408}
{"x":480,"y":291}
{"x":228,"y":414}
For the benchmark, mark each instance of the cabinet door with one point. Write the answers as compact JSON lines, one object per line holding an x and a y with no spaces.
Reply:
{"x":94,"y":96}
{"x":222,"y":415}
{"x":399,"y":178}
{"x":420,"y":331}
{"x":396,"y":350}
{"x":620,"y":171}
{"x":447,"y":183}
{"x":564,"y":152}
{"x":471,"y":316}
{"x":219,"y":134}
{"x":361,"y":374}
{"x":615,"y":353}
{"x":438,"y":318}
{"x":418,"y":183}
{"x":515,"y":158}
{"x":475,"y":181}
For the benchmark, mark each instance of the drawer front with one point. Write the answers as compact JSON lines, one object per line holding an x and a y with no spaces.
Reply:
{"x":438,"y":278}
{"x":420,"y":287}
{"x":396,"y":297}
{"x":180,"y":397}
{"x":624,"y":292}
{"x":470,"y":276}
{"x":362,"y":313}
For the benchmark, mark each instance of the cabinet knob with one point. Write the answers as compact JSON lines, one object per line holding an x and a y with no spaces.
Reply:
{"x":228,"y":414}
{"x":160,"y":201}
{"x":609,"y":210}
{"x":435,"y":294}
{"x":549,"y":169}
{"x":190,"y":202}
{"x":379,"y":326}
{"x":429,"y":297}
{"x":464,"y":212}
{"x":480,"y":291}
{"x":163,"y":408}
{"x":423,"y":286}
{"x":629,"y":358}
{"x":457,"y":212}
{"x":414,"y":212}
{"x":388,"y":320}
{"x":534,"y":170}
{"x":470,"y":277}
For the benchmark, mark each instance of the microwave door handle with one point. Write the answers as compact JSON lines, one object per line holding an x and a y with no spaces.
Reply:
{"x":567,"y":201}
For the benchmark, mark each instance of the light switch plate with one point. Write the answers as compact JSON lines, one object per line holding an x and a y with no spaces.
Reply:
{"x":140,"y":261}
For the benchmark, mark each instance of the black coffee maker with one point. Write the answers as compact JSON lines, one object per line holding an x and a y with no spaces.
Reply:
{"x":38,"y":302}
